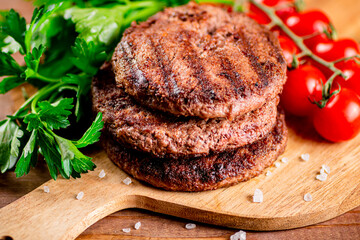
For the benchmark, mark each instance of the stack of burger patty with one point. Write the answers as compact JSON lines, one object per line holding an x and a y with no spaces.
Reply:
{"x":190,"y":99}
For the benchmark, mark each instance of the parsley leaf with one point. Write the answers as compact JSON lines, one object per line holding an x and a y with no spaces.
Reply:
{"x":9,"y":83}
{"x":10,"y":135}
{"x":28,"y":157}
{"x":88,"y":57}
{"x":51,"y":154}
{"x":72,"y":158}
{"x":92,"y":135}
{"x":14,"y":26}
{"x":98,"y":25}
{"x":33,"y":122}
{"x":32,"y":60}
{"x":8,"y":65}
{"x":55,"y":115}
{"x":83,"y":83}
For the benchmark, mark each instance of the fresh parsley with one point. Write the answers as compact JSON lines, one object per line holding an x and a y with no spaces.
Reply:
{"x":63,"y":46}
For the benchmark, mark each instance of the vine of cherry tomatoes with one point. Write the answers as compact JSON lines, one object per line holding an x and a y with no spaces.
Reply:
{"x":336,"y":116}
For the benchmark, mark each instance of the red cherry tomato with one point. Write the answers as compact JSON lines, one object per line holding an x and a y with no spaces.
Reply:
{"x":339,"y":120}
{"x":306,"y":23}
{"x":331,"y":50}
{"x":352,"y":70}
{"x":274,"y":3}
{"x":258,"y":15}
{"x":302,"y":83}
{"x":289,"y":49}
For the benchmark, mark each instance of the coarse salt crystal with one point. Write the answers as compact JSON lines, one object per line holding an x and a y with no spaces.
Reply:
{"x":46,"y":189}
{"x":137,"y":225}
{"x":127,"y":181}
{"x":305,"y":157}
{"x":321,"y":177}
{"x":268,"y":173}
{"x":80,"y":195}
{"x":277,"y":164}
{"x":102,"y":174}
{"x":190,"y":226}
{"x":325,"y":168}
{"x":258,"y":196}
{"x":307,"y":197}
{"x":241,"y":235}
{"x":284,"y":160}
{"x":126,"y":230}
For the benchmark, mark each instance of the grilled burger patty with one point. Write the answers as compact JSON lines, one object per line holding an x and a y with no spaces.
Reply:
{"x":203,"y":173}
{"x":163,"y":135}
{"x":200,"y":60}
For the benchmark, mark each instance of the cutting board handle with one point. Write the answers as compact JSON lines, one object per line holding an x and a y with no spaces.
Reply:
{"x":58,"y":214}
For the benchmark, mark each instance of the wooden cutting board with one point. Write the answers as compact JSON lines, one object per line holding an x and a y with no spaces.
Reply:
{"x":59,"y":215}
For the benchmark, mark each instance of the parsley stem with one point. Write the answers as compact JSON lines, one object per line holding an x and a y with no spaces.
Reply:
{"x":46,"y":79}
{"x":142,"y":14}
{"x":43,"y":93}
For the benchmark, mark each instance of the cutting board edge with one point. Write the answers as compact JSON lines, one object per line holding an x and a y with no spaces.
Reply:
{"x":229,"y":220}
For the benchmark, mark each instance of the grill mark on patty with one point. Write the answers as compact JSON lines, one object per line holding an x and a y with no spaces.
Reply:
{"x":137,"y":76}
{"x":165,"y":68}
{"x":254,"y":60}
{"x":233,"y":76}
{"x":197,"y":69}
{"x":275,"y":49}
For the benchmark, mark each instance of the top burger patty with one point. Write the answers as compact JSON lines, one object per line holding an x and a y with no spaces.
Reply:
{"x":200,"y":60}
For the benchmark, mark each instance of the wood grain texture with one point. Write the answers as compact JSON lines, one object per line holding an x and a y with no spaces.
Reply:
{"x":156,"y":226}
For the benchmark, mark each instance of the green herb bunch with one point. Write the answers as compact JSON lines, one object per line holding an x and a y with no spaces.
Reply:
{"x":63,"y":47}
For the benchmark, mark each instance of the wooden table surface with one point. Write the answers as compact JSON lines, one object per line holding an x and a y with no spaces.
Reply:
{"x":344,"y":14}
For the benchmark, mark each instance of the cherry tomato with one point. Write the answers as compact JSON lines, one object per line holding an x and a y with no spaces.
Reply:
{"x":352,"y":70}
{"x":258,"y":15}
{"x":289,"y":49}
{"x":331,"y":50}
{"x":339,"y":120}
{"x":306,"y":23}
{"x":302,"y":83}
{"x":274,"y":3}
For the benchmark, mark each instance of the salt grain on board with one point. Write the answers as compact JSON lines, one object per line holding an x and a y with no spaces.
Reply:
{"x":258,"y":196}
{"x":127,"y":181}
{"x":268,"y":173}
{"x":305,"y":157}
{"x":190,"y":226}
{"x":137,"y":225}
{"x":325,"y":168}
{"x":80,"y":195}
{"x":284,"y":160}
{"x":102,"y":174}
{"x":126,"y":230}
{"x":307,"y":197}
{"x":46,"y":189}
{"x":322,"y":177}
{"x":277,"y":164}
{"x":241,"y":235}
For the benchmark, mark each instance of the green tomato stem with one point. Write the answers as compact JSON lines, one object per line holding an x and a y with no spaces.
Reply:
{"x":298,"y":40}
